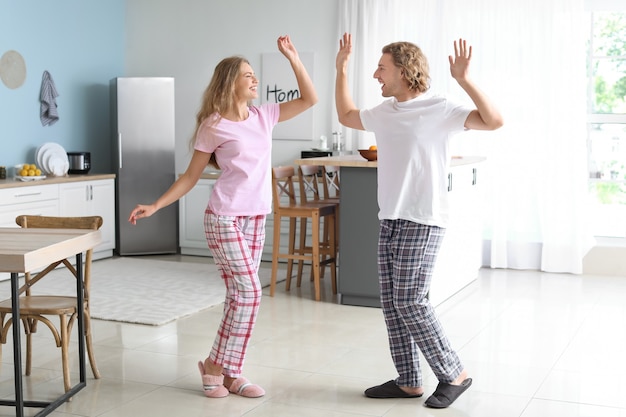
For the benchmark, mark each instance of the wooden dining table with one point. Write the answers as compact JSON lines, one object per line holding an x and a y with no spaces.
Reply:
{"x":29,"y":250}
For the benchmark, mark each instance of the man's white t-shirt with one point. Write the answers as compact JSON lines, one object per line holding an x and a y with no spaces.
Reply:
{"x":413,"y":156}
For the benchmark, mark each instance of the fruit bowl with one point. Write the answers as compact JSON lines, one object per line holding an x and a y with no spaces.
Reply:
{"x":370,"y":155}
{"x":18,"y":171}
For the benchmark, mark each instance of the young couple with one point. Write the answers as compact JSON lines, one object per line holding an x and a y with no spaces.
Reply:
{"x":412,"y":129}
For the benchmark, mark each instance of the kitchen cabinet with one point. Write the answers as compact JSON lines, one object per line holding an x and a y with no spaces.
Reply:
{"x":74,"y":195}
{"x":192,"y":239}
{"x":35,"y":200}
{"x":460,"y":255}
{"x":92,"y":198}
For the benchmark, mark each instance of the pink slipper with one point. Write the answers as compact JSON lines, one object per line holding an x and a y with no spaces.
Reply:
{"x":241,"y":386}
{"x":213,"y":384}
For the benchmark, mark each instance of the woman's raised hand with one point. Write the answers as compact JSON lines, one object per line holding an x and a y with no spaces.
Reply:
{"x":286,"y":47}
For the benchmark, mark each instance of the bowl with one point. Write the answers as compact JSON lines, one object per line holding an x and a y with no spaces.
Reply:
{"x":370,"y":155}
{"x":17,"y":169}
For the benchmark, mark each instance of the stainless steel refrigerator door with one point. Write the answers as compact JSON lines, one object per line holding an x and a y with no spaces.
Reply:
{"x":145,"y":163}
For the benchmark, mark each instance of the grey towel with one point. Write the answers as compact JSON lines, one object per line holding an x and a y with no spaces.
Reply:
{"x":48,"y":113}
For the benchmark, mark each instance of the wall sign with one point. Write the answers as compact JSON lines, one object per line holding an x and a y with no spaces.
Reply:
{"x":278,"y":86}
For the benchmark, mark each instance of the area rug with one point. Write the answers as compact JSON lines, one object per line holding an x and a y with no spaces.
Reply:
{"x":144,"y":291}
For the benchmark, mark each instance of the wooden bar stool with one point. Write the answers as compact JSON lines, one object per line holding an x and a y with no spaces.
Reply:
{"x":331,"y":182}
{"x":286,"y":205}
{"x":331,"y":191}
{"x":309,"y":180}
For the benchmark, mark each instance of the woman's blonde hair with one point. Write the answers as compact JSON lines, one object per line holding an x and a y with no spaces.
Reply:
{"x":413,"y":63}
{"x":219,"y":95}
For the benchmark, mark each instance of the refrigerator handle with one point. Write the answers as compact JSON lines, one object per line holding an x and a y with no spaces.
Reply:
{"x":119,"y":148}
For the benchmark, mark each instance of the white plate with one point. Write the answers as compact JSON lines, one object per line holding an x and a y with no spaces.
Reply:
{"x":39,"y":157}
{"x":33,"y":178}
{"x":58,"y":166}
{"x":46,"y":152}
{"x":45,"y":167}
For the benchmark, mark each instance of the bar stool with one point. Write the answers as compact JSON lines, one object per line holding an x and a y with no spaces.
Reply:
{"x":331,"y":182}
{"x":320,"y":254}
{"x":331,"y":190}
{"x":308,"y":180}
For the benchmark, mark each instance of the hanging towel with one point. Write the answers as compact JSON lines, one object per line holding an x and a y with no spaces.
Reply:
{"x":48,"y":114}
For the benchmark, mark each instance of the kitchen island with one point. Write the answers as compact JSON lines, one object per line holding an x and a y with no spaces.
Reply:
{"x":460,"y":256}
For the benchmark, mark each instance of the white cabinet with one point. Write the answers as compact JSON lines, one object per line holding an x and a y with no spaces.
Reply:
{"x":192,"y":240}
{"x":63,"y":196}
{"x":92,"y":198}
{"x":460,"y":255}
{"x":35,"y":200}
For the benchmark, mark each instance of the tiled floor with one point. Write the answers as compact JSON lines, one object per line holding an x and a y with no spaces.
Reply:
{"x":536,"y":345}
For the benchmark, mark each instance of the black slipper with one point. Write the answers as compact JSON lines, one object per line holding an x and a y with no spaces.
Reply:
{"x":388,"y":390}
{"x":446,"y":394}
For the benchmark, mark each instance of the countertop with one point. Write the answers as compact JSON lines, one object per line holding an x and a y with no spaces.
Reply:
{"x":12,"y":182}
{"x":358,"y":161}
{"x":208,"y":175}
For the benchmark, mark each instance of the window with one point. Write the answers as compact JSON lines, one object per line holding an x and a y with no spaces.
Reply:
{"x":607,"y":123}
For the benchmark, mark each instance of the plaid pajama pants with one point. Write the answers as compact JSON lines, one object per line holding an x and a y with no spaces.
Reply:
{"x":406,"y":258}
{"x":236,"y":243}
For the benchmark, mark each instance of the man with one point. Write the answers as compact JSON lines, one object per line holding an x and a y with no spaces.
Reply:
{"x":412,"y":129}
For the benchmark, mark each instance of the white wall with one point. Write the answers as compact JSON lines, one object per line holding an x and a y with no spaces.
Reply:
{"x":187,"y":38}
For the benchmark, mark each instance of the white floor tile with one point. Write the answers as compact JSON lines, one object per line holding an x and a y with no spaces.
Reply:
{"x":535,"y":344}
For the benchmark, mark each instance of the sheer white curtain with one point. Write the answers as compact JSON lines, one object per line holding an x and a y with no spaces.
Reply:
{"x":529,"y":57}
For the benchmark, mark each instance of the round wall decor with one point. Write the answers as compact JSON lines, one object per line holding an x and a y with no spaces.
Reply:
{"x":12,"y":69}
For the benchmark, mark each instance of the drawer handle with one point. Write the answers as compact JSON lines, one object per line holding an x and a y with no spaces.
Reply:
{"x":27,"y":194}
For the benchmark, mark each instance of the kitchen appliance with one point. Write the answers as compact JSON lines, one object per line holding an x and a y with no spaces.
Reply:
{"x":143,"y":160}
{"x":80,"y":162}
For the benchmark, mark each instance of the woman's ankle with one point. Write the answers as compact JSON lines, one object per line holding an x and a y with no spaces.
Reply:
{"x":212,"y":368}
{"x":228,"y":381}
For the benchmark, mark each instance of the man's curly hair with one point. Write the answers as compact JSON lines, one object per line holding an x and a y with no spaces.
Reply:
{"x":413,"y":63}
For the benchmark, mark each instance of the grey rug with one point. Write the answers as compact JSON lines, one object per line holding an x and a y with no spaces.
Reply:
{"x":143,"y":291}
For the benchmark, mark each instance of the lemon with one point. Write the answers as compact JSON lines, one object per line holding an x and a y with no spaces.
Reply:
{"x":38,"y":172}
{"x":31,"y":172}
{"x":24,"y":172}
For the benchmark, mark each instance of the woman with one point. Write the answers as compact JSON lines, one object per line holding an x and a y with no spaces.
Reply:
{"x":236,"y":137}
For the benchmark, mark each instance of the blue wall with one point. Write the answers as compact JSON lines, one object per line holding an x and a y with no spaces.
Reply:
{"x":82,"y":44}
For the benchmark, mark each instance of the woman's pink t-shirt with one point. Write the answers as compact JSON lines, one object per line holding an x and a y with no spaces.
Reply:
{"x":244,"y":152}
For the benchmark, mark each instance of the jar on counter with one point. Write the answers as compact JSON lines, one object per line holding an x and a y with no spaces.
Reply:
{"x":338,"y":144}
{"x":3,"y":173}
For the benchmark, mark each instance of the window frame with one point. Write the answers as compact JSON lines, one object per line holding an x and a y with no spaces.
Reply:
{"x":600,"y":118}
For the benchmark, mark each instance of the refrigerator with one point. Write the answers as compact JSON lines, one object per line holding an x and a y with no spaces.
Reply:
{"x":144,"y":162}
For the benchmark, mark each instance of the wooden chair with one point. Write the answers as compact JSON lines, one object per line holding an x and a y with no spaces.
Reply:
{"x":309,"y":182}
{"x":35,"y":308}
{"x":332,"y":190}
{"x":320,"y":254}
{"x":331,"y":182}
